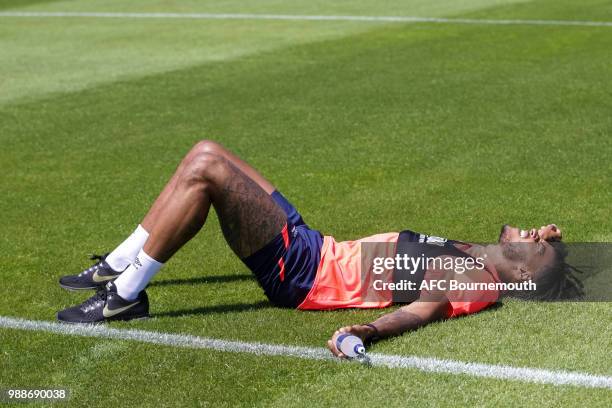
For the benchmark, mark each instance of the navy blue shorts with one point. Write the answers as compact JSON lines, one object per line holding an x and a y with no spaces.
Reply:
{"x":286,"y":266}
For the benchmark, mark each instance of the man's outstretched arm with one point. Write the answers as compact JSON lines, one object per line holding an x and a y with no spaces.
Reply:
{"x":406,"y":318}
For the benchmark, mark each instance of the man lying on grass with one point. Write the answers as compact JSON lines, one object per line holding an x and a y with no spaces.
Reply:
{"x":296,"y":266}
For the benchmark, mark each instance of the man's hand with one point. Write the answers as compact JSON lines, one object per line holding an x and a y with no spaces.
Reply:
{"x":363,"y":332}
{"x":549,"y":232}
{"x":409,"y":317}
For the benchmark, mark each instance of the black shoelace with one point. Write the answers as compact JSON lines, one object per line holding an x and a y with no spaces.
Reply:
{"x":97,"y":257}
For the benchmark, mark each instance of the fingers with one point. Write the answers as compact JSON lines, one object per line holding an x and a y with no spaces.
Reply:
{"x":331,"y":344}
{"x":556,"y":230}
{"x":550,"y":232}
{"x":332,"y":347}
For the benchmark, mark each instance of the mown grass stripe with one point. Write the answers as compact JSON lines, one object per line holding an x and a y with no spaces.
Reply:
{"x":246,"y":16}
{"x":426,"y":364}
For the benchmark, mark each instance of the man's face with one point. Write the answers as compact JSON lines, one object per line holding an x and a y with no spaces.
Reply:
{"x":527,"y":250}
{"x":548,"y":232}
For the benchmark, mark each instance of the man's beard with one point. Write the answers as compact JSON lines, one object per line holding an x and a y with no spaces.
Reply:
{"x":513,"y":251}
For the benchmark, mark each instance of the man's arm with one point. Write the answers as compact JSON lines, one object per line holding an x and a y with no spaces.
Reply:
{"x":409,"y":317}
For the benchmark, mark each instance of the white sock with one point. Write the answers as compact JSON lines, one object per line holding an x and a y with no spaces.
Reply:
{"x":126,"y":252}
{"x":137,"y":276}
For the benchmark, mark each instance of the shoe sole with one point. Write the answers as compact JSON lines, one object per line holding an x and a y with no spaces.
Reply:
{"x":113,"y":319}
{"x":75,"y":289}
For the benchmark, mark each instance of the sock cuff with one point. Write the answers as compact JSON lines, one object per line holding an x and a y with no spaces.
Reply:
{"x":144,"y":258}
{"x":140,"y":231}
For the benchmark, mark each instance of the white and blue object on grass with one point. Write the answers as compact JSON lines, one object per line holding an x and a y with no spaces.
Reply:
{"x":351,"y":346}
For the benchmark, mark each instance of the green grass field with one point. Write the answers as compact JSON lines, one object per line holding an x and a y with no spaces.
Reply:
{"x":365,"y":126}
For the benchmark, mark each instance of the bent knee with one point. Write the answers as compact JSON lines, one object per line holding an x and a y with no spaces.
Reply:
{"x":208,"y":146}
{"x":206,"y":167}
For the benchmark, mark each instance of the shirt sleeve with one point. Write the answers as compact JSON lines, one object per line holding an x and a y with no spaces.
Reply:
{"x":463,"y":302}
{"x":456,"y":309}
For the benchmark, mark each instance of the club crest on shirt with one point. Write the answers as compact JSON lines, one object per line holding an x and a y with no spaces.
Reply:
{"x":433,"y":240}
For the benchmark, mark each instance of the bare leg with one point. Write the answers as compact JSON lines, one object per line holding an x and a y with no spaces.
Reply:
{"x":249,"y":217}
{"x":205,"y":146}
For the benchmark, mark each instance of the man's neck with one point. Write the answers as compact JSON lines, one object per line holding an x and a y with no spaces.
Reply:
{"x":492,"y":255}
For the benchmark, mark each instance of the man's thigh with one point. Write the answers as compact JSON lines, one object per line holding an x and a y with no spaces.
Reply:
{"x":249,"y":216}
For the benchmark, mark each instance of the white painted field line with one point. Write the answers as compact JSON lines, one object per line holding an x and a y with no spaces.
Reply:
{"x":243,"y":16}
{"x":390,"y":361}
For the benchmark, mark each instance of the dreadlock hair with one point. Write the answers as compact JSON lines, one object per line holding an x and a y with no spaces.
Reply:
{"x":557,"y":281}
